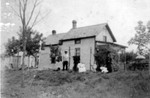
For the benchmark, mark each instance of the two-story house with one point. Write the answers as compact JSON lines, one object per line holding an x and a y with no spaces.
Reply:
{"x":79,"y":41}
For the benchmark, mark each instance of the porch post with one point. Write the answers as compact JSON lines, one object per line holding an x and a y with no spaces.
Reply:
{"x":90,"y":57}
{"x":125,"y":60}
{"x":69,"y":58}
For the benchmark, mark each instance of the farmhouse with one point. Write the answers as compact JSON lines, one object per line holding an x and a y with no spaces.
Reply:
{"x":78,"y":41}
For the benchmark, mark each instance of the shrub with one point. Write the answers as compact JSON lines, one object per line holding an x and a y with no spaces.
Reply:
{"x":101,"y":55}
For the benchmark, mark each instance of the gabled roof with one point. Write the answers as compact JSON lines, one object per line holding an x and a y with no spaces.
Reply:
{"x":87,"y":31}
{"x":54,"y":39}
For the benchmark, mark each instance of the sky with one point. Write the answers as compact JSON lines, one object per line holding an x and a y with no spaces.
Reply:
{"x":121,"y":15}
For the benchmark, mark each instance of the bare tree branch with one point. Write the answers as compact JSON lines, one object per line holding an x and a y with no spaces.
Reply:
{"x":20,"y":13}
{"x":15,"y":11}
{"x":35,"y":19}
{"x":21,"y":5}
{"x":36,"y":22}
{"x":36,"y":3}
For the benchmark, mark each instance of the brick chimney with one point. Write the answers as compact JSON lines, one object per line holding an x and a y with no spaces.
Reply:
{"x":74,"y":24}
{"x":53,"y":32}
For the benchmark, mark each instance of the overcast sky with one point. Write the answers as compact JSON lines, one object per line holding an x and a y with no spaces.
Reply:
{"x":121,"y":15}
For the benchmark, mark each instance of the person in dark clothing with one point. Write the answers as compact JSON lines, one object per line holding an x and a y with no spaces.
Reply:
{"x":108,"y":63}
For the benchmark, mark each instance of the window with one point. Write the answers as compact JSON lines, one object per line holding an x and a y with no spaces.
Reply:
{"x":77,"y":41}
{"x":60,"y":42}
{"x":105,"y":38}
{"x":77,"y":51}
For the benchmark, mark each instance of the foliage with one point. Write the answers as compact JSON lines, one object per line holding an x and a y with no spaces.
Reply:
{"x":55,"y":53}
{"x":102,"y":53}
{"x":128,"y":57}
{"x":33,"y":42}
{"x":142,"y":37}
{"x":33,"y":38}
{"x":12,"y":46}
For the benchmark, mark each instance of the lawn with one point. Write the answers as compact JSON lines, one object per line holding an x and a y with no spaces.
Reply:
{"x":64,"y":84}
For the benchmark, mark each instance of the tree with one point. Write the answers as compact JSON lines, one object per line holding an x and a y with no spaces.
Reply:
{"x":142,"y":39}
{"x":30,"y":21}
{"x":14,"y":46}
{"x":33,"y":43}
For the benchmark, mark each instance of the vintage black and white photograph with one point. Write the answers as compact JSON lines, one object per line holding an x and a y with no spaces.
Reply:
{"x":75,"y":48}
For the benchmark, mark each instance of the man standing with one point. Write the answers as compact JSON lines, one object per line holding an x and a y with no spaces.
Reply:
{"x":65,"y":61}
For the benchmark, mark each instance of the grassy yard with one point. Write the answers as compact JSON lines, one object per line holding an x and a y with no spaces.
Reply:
{"x":63,"y":84}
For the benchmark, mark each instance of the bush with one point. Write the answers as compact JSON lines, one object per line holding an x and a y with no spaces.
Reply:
{"x":101,"y":55}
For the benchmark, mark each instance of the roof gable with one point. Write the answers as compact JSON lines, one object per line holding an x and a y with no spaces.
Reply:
{"x":87,"y":31}
{"x":111,"y":34}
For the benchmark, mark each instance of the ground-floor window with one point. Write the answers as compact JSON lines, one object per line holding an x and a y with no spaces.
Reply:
{"x":77,"y":51}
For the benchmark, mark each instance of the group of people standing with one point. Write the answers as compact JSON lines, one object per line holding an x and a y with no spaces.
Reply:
{"x":65,"y":59}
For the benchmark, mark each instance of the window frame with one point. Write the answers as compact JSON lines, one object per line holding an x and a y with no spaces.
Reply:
{"x":77,"y":41}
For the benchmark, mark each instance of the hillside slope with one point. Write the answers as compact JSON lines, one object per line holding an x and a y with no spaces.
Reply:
{"x":62,"y":84}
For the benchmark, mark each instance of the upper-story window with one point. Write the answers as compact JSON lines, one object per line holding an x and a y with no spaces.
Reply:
{"x":77,"y":41}
{"x":105,"y":38}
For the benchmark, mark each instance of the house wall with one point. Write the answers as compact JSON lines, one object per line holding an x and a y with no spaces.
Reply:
{"x":44,"y":58}
{"x":85,"y":46}
{"x":104,"y":32}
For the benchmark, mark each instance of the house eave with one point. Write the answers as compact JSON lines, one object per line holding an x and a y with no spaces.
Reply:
{"x":111,"y":34}
{"x":122,"y":46}
{"x":51,"y":45}
{"x":78,"y":38}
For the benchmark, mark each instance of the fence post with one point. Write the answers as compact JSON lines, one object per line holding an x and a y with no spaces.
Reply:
{"x":17,"y":60}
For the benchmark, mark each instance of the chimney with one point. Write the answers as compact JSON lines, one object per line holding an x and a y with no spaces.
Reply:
{"x":53,"y":32}
{"x":74,"y":24}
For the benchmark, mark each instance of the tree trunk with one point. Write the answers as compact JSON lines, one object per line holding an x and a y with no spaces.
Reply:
{"x":149,"y":63}
{"x":23,"y":65}
{"x":22,"y":82}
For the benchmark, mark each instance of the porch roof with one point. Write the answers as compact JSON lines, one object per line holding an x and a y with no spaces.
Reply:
{"x":111,"y":43}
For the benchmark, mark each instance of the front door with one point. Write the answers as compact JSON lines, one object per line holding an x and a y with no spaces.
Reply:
{"x":76,"y":59}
